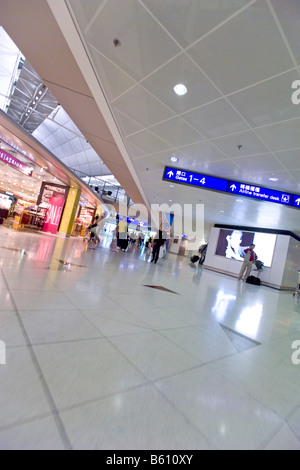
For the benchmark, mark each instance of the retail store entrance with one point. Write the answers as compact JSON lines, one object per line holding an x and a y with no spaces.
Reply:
{"x":22,"y":187}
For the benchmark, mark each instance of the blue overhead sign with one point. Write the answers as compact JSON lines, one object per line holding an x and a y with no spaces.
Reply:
{"x":191,"y":178}
{"x":257,"y":192}
{"x":296,"y":201}
{"x":195,"y":179}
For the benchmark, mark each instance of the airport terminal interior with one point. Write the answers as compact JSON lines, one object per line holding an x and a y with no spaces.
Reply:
{"x":176,"y":123}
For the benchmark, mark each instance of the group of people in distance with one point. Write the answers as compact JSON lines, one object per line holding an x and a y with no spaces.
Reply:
{"x":123,"y":238}
{"x":234,"y":250}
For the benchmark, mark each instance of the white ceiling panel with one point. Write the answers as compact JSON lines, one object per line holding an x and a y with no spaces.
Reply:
{"x":202,"y":152}
{"x":142,"y":107}
{"x":177,"y":132}
{"x":188,"y":21}
{"x":290,"y":160}
{"x":288,"y":13}
{"x":134,"y":151}
{"x":259,"y":164}
{"x":115,"y":81}
{"x":282,"y":136}
{"x":251,"y":144}
{"x":216,"y":119}
{"x":67,"y":149}
{"x":244,"y":51}
{"x":84,"y":169}
{"x":86,"y":10}
{"x":97,"y":169}
{"x":286,"y":181}
{"x":164,"y":157}
{"x":138,"y":33}
{"x":268,"y":102}
{"x":181,"y":70}
{"x":225,"y":169}
{"x":296,"y":175}
{"x":126,"y":125}
{"x":148,"y":142}
{"x":147,"y":164}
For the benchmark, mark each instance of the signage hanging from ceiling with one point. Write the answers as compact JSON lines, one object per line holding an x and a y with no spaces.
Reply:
{"x":296,"y":201}
{"x":15,"y":163}
{"x":195,"y":179}
{"x":191,"y":178}
{"x":263,"y":194}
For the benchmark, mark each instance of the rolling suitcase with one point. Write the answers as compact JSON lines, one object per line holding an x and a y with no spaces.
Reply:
{"x":253,"y":280}
{"x":195,"y":259}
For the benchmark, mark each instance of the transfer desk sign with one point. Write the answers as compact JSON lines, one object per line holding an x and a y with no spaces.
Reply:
{"x":192,"y":178}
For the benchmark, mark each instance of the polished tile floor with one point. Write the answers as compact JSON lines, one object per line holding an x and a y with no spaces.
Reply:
{"x":97,"y":360}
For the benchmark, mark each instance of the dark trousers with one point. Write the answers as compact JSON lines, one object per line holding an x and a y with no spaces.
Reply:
{"x":155,"y":254}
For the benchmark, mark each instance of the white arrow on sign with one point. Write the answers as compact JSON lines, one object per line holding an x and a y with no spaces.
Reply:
{"x":233,"y":187}
{"x":170,"y":174}
{"x":297,"y":202}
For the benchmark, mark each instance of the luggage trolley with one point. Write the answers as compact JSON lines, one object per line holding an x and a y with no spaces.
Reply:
{"x":297,"y":291}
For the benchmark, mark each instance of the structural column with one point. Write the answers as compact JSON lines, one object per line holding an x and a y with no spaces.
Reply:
{"x":69,"y":214}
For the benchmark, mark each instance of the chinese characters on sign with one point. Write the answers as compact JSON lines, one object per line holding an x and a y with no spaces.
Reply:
{"x":231,"y":187}
{"x":263,"y":194}
{"x":195,"y":179}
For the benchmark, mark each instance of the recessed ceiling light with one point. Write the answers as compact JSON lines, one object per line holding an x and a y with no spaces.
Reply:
{"x":239,"y":200}
{"x":273,"y":179}
{"x":171,"y":186}
{"x":174,"y":159}
{"x":180,"y":89}
{"x":222,"y":212}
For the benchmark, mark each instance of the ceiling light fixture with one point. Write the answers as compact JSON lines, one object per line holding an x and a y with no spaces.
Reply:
{"x":180,"y":89}
{"x":273,"y":179}
{"x":174,"y":159}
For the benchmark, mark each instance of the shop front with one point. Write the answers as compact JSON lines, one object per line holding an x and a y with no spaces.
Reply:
{"x":41,"y":194}
{"x":26,"y":199}
{"x":84,"y":218}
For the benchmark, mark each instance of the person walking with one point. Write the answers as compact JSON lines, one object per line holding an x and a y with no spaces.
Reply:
{"x":202,"y":253}
{"x":249,"y":259}
{"x":158,"y":242}
{"x":92,"y":230}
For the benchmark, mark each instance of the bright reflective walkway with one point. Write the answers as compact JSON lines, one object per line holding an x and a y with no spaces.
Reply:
{"x":96,"y":360}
